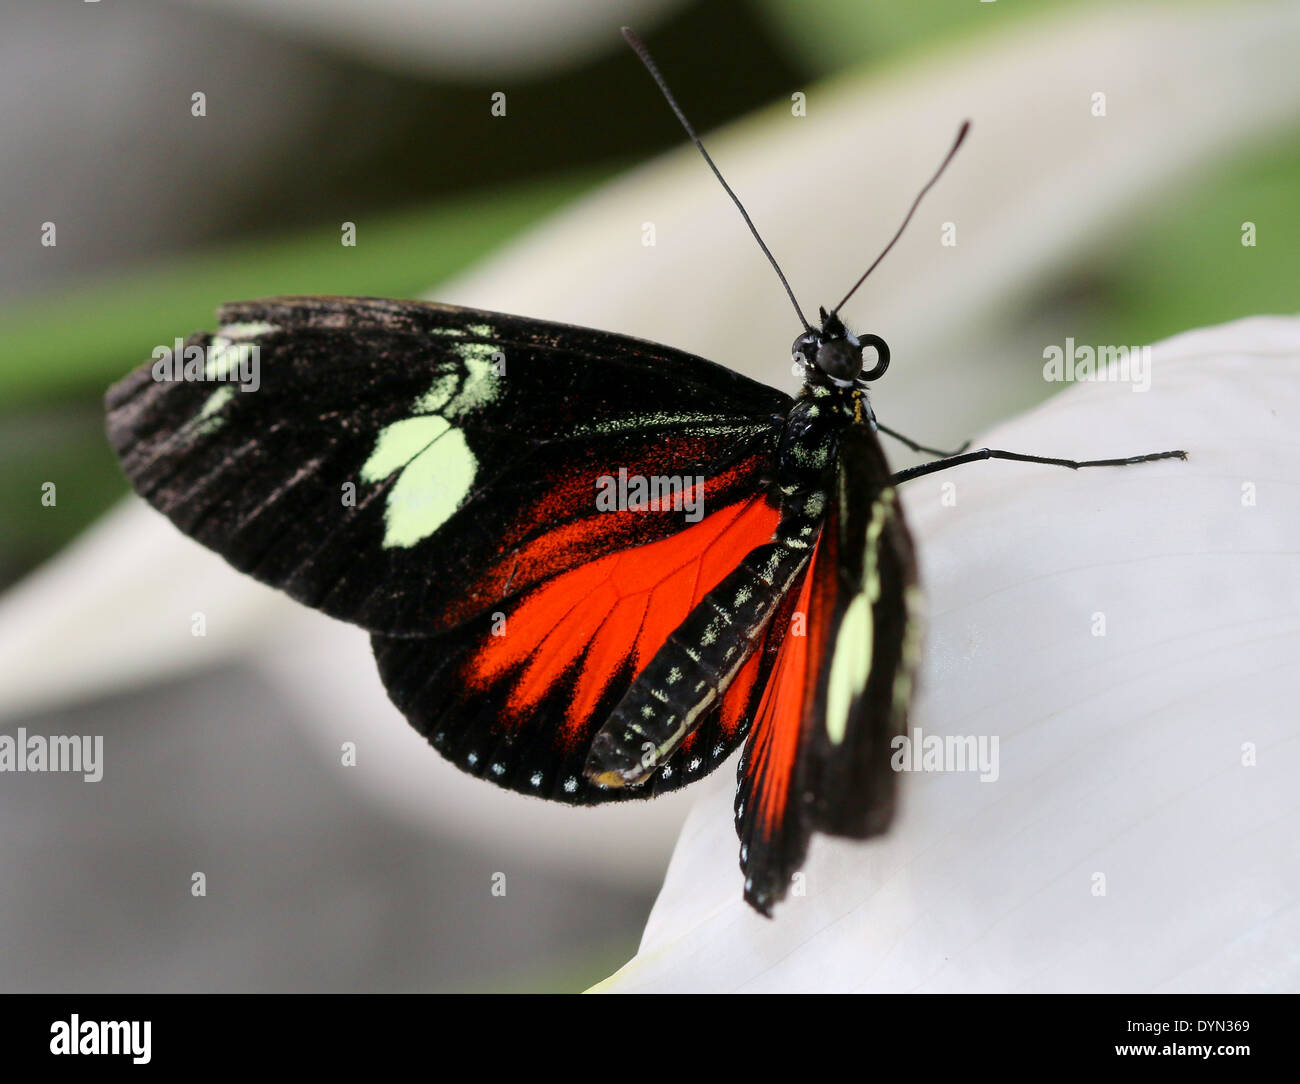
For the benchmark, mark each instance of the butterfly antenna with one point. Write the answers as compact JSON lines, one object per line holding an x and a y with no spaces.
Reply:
{"x":639,"y":48}
{"x":961,"y":135}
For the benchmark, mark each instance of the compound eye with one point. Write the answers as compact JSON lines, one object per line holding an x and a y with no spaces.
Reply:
{"x":840,"y":359}
{"x":804,"y":348}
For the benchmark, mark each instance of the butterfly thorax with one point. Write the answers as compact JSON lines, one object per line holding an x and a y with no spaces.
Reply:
{"x":810,"y":438}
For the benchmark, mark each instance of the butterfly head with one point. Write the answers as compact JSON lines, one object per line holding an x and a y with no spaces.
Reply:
{"x":834,"y":353}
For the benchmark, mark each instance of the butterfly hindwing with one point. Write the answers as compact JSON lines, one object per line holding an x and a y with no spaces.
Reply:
{"x":874,"y":631}
{"x":841,"y":676}
{"x":517,"y":696}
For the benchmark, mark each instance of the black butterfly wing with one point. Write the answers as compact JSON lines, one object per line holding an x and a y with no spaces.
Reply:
{"x":403,"y":465}
{"x":841,"y":671}
{"x":431,"y":472}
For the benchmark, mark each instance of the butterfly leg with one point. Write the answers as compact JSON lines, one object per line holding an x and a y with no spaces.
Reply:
{"x":921,"y":447}
{"x":997,"y":453}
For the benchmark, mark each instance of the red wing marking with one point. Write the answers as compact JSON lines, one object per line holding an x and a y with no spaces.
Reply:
{"x":736,"y":699}
{"x":778,"y":722}
{"x":614,"y":609}
{"x":553,"y":552}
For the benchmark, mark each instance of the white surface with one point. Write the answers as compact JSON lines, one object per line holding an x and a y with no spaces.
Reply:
{"x":1120,"y":755}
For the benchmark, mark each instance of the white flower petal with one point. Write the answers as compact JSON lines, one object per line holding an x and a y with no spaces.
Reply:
{"x":116,"y":608}
{"x":1120,"y":755}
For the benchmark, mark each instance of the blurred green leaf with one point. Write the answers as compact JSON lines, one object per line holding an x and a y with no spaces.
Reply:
{"x":74,"y":456}
{"x":85,"y":340}
{"x":1187,"y":267}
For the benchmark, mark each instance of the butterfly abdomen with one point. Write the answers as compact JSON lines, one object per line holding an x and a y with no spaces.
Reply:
{"x":694,"y":667}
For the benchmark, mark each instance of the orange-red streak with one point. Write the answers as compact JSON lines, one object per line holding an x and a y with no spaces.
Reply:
{"x":778,"y":722}
{"x":617,"y":607}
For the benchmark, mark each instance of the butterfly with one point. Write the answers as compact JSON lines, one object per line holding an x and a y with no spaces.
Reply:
{"x":591,"y":567}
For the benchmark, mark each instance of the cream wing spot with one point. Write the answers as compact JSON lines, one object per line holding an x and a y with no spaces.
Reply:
{"x":400,"y":443}
{"x":850,"y":666}
{"x":216,"y":401}
{"x":249,"y":330}
{"x":208,"y":419}
{"x":456,"y":393}
{"x":438,"y":396}
{"x":229,"y":351}
{"x":437,"y":472}
{"x":851,"y":663}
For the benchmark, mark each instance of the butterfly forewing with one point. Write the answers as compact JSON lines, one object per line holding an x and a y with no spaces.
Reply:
{"x":407,"y":465}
